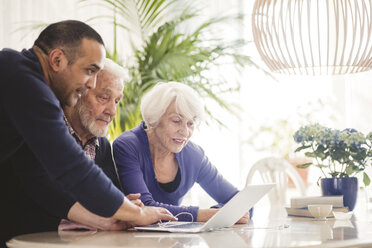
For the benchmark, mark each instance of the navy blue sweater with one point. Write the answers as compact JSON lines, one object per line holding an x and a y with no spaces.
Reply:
{"x":20,"y":213}
{"x":30,"y":114}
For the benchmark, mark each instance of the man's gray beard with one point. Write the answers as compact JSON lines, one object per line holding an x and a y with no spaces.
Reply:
{"x":89,"y":123}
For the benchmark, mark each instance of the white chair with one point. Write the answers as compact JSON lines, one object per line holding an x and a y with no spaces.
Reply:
{"x":277,"y":170}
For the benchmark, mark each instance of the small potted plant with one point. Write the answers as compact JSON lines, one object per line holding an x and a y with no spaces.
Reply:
{"x":340,"y":155}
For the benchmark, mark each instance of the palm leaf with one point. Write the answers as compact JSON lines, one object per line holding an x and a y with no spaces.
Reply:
{"x":141,"y":17}
{"x":167,"y":53}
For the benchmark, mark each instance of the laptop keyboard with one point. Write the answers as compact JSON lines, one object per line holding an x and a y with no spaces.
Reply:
{"x":187,"y":225}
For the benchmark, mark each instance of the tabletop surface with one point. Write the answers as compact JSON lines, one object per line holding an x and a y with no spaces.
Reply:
{"x":273,"y":230}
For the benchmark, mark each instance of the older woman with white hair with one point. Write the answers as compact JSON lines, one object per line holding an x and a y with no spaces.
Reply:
{"x":157,"y":160}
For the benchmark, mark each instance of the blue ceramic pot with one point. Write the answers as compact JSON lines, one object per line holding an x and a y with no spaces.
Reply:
{"x":346,"y":186}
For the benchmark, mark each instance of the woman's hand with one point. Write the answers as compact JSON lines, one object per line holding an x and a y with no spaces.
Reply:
{"x":244,"y":219}
{"x":205,"y":214}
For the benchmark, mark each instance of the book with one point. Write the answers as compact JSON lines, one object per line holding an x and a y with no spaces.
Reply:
{"x":304,"y":212}
{"x":304,"y":201}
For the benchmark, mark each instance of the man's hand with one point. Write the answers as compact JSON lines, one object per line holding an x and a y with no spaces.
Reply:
{"x":151,"y":215}
{"x":141,"y":215}
{"x":134,"y":198}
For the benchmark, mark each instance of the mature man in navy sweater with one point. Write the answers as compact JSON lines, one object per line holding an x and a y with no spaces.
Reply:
{"x":57,"y":70}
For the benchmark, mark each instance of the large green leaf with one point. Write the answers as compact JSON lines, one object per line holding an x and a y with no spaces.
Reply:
{"x":166,"y":53}
{"x":366,"y":179}
{"x":140,"y":17}
{"x":303,"y":166}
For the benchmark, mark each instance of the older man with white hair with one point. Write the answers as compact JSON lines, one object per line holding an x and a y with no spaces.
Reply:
{"x":88,"y":122}
{"x":92,"y":115}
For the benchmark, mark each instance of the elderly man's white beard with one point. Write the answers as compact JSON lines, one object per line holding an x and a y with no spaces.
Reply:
{"x":90,"y":123}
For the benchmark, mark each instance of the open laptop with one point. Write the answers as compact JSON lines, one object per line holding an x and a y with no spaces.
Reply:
{"x":227,"y":216}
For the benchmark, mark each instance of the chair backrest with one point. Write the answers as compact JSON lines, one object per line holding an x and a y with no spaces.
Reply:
{"x":277,"y":170}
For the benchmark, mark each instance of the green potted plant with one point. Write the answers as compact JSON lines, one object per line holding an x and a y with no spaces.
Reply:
{"x":163,"y":51}
{"x":340,"y":155}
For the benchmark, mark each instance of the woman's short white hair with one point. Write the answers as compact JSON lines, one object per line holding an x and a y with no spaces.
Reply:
{"x":116,"y":70}
{"x":156,"y":101}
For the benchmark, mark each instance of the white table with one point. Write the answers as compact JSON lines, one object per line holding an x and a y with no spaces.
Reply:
{"x":267,"y":229}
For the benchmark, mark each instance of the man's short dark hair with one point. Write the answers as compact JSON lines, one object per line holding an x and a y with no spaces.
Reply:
{"x":66,"y":35}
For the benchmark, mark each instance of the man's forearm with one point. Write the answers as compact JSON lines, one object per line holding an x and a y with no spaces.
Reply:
{"x":128,"y":211}
{"x":127,"y":215}
{"x":81,"y":215}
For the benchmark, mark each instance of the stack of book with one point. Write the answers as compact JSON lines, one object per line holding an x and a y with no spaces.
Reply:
{"x":299,"y":205}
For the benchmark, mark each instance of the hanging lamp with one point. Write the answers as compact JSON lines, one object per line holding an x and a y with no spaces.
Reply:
{"x":314,"y":37}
